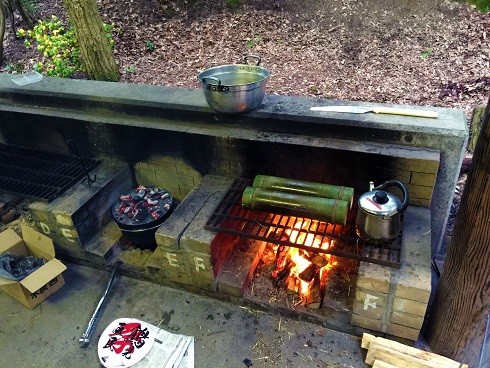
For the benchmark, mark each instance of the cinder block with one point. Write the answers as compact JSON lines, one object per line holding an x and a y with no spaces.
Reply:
{"x":409,"y":306}
{"x":371,"y":299}
{"x":408,"y":320}
{"x":39,"y":212}
{"x":423,"y":179}
{"x":236,"y":274}
{"x":195,"y":237}
{"x":403,"y":331}
{"x":414,"y":284}
{"x":365,"y":310}
{"x":419,"y":202}
{"x":201,"y":270}
{"x":134,"y":260}
{"x":104,"y":248}
{"x":145,"y":177}
{"x":419,"y":160}
{"x":365,"y":322}
{"x":170,"y":232}
{"x":366,"y":173}
{"x":374,"y":277}
{"x":65,"y":249}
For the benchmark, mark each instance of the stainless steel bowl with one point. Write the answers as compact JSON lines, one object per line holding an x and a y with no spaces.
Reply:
{"x":236,"y":88}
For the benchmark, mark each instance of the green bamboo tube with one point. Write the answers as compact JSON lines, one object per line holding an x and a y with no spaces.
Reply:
{"x":326,"y":209}
{"x":305,"y":188}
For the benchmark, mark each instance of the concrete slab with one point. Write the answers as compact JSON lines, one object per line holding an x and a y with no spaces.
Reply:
{"x":225,"y":334}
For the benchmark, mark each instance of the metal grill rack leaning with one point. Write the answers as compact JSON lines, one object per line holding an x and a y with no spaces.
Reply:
{"x":139,"y":213}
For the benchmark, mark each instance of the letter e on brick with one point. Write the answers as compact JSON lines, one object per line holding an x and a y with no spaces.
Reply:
{"x":172,"y":259}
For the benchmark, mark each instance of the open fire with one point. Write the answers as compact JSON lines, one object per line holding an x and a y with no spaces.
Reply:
{"x":303,"y":272}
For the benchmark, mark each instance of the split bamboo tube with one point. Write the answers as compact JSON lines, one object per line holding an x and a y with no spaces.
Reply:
{"x":326,"y":209}
{"x":305,"y":188}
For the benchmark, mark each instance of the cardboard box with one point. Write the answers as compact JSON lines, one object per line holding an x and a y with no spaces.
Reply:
{"x":41,"y":283}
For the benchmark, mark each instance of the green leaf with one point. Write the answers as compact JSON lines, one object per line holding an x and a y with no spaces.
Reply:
{"x":426,"y":53}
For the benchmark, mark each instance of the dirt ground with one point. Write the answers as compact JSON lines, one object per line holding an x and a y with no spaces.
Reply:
{"x":409,"y":52}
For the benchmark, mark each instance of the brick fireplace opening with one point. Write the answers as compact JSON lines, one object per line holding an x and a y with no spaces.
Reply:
{"x":379,"y":289}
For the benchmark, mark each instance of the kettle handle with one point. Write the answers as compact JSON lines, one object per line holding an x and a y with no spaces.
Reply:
{"x":395,"y":183}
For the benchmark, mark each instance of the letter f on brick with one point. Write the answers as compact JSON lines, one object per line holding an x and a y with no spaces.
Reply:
{"x":369,"y":301}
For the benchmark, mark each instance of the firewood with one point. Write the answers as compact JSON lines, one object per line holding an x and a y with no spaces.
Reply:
{"x":309,"y":273}
{"x":381,"y":364}
{"x":379,"y":347}
{"x":366,"y":340}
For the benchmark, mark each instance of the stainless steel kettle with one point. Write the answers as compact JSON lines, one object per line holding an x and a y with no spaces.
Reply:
{"x":379,"y":216}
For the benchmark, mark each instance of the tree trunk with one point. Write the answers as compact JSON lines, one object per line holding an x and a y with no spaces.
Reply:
{"x":97,"y":56}
{"x":23,"y":12}
{"x":462,"y":298}
{"x":3,"y":14}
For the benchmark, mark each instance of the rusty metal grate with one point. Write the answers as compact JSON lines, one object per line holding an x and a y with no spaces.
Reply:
{"x":230,"y":217}
{"x":36,"y":174}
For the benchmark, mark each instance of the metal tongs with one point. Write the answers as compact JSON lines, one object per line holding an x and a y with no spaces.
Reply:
{"x":85,"y":339}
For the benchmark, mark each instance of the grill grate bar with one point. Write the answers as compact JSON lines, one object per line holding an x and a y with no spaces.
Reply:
{"x":37,"y":174}
{"x":230,"y":217}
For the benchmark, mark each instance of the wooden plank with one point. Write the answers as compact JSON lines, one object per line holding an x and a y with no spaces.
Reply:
{"x":381,"y":364}
{"x":368,"y":339}
{"x":400,"y":359}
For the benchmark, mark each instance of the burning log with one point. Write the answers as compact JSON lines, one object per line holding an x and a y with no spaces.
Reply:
{"x":316,"y":259}
{"x":305,"y":188}
{"x":327,"y":209}
{"x":309,"y":272}
{"x":281,"y":275}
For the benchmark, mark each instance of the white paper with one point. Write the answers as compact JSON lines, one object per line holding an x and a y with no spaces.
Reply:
{"x":169,"y":351}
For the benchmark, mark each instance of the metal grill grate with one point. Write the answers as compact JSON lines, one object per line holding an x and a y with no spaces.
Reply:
{"x":39,"y":175}
{"x":230,"y":217}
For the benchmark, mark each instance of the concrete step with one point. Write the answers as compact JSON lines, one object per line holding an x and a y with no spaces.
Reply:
{"x":106,"y":246}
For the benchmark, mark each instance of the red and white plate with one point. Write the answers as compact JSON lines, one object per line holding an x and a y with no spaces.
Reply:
{"x":125,"y":342}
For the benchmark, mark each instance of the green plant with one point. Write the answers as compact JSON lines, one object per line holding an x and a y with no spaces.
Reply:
{"x":253,"y":42}
{"x":425,"y":54}
{"x":58,"y":45}
{"x":481,"y":5}
{"x":233,"y":4}
{"x":130,"y":69}
{"x":149,"y":45}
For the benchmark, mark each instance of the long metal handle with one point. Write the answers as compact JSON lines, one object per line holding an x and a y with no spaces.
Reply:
{"x":85,"y":339}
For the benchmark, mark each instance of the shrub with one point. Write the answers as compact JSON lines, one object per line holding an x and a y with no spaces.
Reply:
{"x":58,"y":45}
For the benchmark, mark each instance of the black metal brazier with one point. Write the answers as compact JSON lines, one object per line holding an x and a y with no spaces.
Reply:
{"x":139,"y":213}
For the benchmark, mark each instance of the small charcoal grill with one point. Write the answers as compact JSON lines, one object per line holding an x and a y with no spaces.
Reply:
{"x":230,"y":217}
{"x":139,"y":213}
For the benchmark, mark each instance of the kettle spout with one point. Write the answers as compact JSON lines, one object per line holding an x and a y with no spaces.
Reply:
{"x":371,"y":185}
